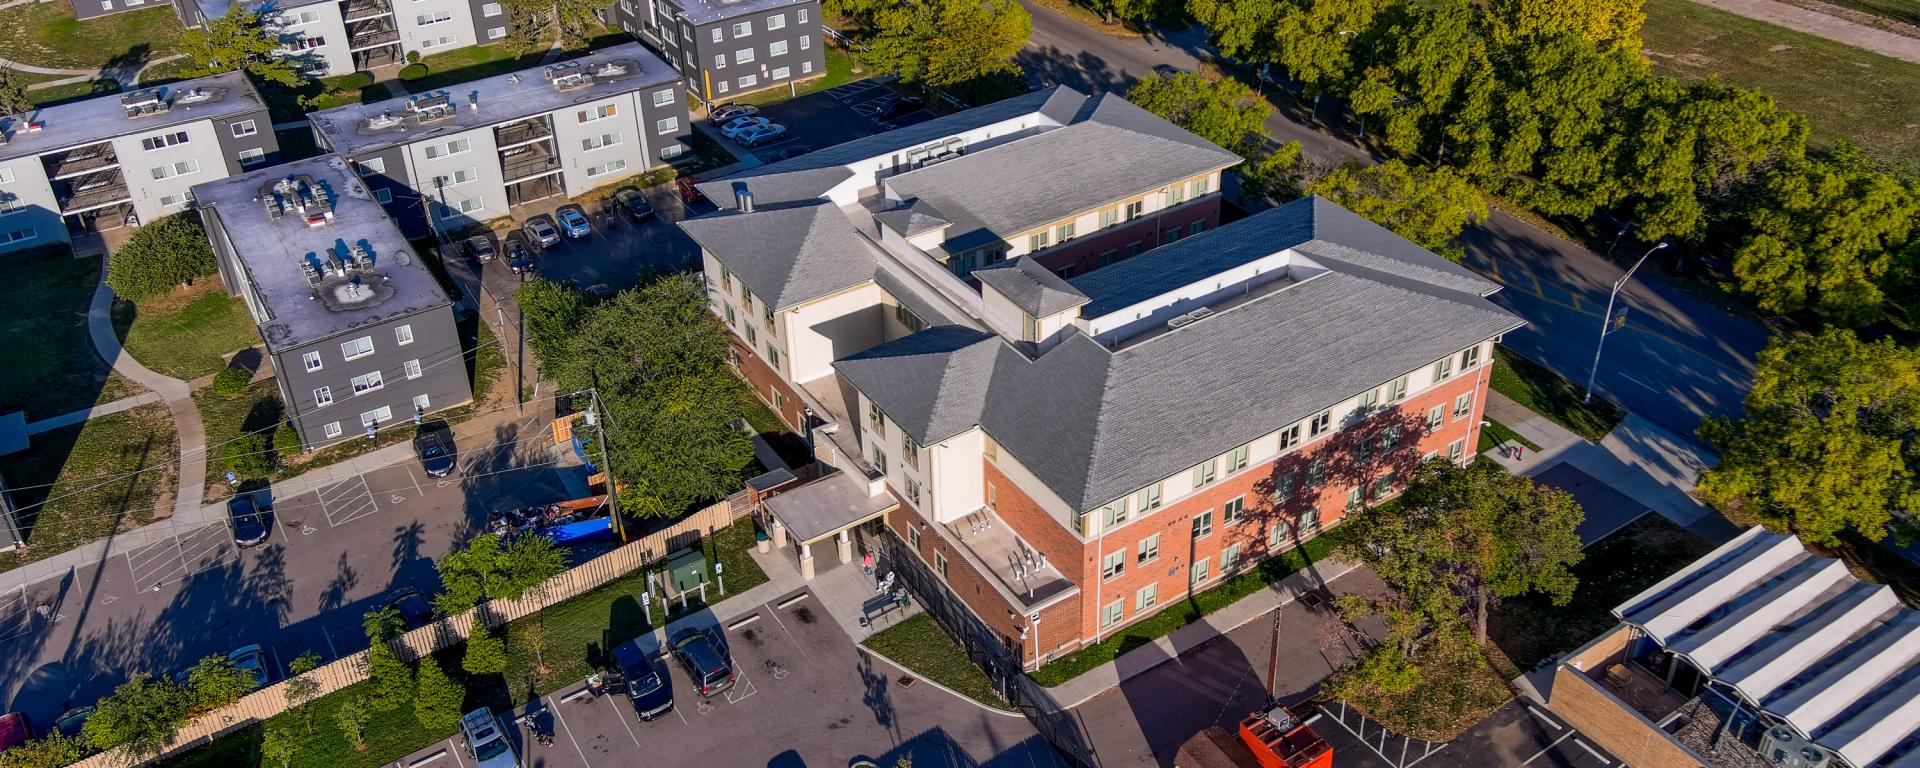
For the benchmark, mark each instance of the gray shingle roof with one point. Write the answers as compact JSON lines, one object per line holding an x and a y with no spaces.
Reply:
{"x":1035,"y":289}
{"x":788,"y":254}
{"x":1115,"y":150}
{"x":912,"y":219}
{"x":1095,"y":423}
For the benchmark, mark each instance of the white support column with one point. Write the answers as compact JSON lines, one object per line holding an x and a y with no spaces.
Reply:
{"x":780,"y":534}
{"x":806,"y":562}
{"x":846,"y":548}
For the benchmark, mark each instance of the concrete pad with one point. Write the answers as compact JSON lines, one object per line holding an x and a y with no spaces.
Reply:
{"x":1607,"y":510}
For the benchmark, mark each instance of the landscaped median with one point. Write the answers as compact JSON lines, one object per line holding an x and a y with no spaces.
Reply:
{"x":924,"y":649}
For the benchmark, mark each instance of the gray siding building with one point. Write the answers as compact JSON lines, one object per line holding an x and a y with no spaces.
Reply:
{"x":362,"y":335}
{"x":113,"y":161}
{"x":726,"y":48}
{"x":472,"y":152}
{"x":336,"y":37}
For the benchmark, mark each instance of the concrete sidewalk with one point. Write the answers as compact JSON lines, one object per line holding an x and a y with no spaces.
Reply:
{"x":76,"y":417}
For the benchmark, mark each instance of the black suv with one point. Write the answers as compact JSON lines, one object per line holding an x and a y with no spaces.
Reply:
{"x":705,"y":660}
{"x":433,"y":443}
{"x":650,"y":691}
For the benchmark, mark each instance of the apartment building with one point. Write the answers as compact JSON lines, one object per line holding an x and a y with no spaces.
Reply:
{"x":471,"y":153}
{"x":725,"y":48}
{"x":120,"y":160}
{"x":361,"y":334}
{"x":337,"y":37}
{"x":1074,"y":434}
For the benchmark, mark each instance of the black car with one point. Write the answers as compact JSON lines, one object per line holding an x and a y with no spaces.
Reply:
{"x":519,"y":254}
{"x":634,"y":203}
{"x":705,"y":660}
{"x":413,"y":608}
{"x":71,"y":721}
{"x":433,"y":443}
{"x":650,"y":691}
{"x":247,"y":520}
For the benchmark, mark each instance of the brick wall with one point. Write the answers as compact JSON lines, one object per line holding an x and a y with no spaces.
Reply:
{"x":765,"y":383}
{"x":1083,"y":253}
{"x":1621,"y":729}
{"x":1013,"y":505}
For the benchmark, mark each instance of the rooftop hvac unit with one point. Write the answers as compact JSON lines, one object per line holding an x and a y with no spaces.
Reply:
{"x":1201,"y":313}
{"x":1781,"y":746}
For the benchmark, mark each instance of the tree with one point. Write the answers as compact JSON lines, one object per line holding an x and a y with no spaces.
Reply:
{"x":1276,"y":175}
{"x":248,"y":455}
{"x":1460,"y":538}
{"x":943,"y":43}
{"x":239,"y":39}
{"x":142,"y":715}
{"x":159,"y":256}
{"x":301,"y":689}
{"x":52,"y":751}
{"x":1427,"y":206}
{"x":279,"y":744}
{"x":488,"y":569}
{"x":391,"y":680}
{"x":1606,"y":25}
{"x":1828,"y":441}
{"x":215,"y":682}
{"x":1220,"y":110}
{"x":551,"y":312}
{"x":13,"y":96}
{"x":486,"y":655}
{"x":1826,"y":237}
{"x":533,"y":636}
{"x":437,"y":699}
{"x":352,"y":716}
{"x":1315,"y":41}
{"x":1116,"y":11}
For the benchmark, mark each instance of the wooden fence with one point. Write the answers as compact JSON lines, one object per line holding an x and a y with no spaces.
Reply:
{"x":452,"y":630}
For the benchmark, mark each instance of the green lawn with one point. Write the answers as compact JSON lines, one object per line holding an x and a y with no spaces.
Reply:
{"x":919,"y":645}
{"x":51,"y":365}
{"x":1546,"y":393}
{"x":1176,"y":616}
{"x":291,"y":104}
{"x":188,"y":333}
{"x":165,"y":72}
{"x":256,"y":409}
{"x":61,"y":94}
{"x":1495,"y":433}
{"x":95,"y":486}
{"x":471,"y":63}
{"x":47,"y":34}
{"x":791,"y":446}
{"x":840,"y":69}
{"x":1844,"y":92}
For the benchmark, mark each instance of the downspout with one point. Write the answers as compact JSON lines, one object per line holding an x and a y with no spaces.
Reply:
{"x":1099,"y":561}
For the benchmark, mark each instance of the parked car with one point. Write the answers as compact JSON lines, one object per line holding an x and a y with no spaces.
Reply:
{"x":736,"y":126}
{"x":253,"y":659}
{"x":433,"y":445}
{"x":705,"y":660}
{"x":689,"y":193}
{"x":541,"y":230}
{"x":725,"y":113}
{"x":791,"y":152}
{"x":486,"y":744}
{"x":574,"y":221}
{"x":247,"y":521}
{"x":519,"y":254}
{"x":634,"y":203}
{"x":1169,"y":70}
{"x":14,"y":730}
{"x":412,"y":606}
{"x":900,"y":105}
{"x":71,"y":721}
{"x":480,"y":247}
{"x":765,"y":134}
{"x":1034,"y":82}
{"x":650,"y":691}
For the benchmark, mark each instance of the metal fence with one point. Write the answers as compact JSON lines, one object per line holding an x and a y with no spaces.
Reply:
{"x":452,"y":630}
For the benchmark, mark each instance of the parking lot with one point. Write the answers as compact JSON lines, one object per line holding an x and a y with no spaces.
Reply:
{"x":824,"y":118}
{"x":804,"y":696}
{"x":1519,"y":735}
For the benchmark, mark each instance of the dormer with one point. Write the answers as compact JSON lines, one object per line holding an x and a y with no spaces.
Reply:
{"x":916,"y":223}
{"x":1023,"y":301}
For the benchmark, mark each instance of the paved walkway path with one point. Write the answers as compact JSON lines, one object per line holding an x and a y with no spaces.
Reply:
{"x":1818,"y":24}
{"x":124,"y":76}
{"x":191,"y":472}
{"x":76,"y":417}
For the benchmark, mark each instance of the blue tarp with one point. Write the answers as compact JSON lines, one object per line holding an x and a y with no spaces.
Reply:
{"x":581,"y":532}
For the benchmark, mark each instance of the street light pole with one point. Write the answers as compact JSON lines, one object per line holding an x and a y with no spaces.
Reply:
{"x":1607,"y":319}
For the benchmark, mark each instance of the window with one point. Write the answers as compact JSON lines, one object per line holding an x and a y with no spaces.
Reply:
{"x":663,"y":97}
{"x":1203,"y":525}
{"x":1114,"y":514}
{"x":1109,"y":217}
{"x":491,"y":10}
{"x":1321,"y":421}
{"x":1283,"y":488}
{"x":181,"y":168}
{"x":1080,"y":523}
{"x":1277,"y":535}
{"x":1370,"y":398}
{"x":597,"y":113}
{"x":1397,"y":390}
{"x":748,"y":81}
{"x":1133,"y":249}
{"x":720,"y":62}
{"x":437,"y":41}
{"x":421,"y":404}
{"x":1149,"y":549}
{"x":909,"y":450}
{"x":1353,"y":496}
{"x":767,"y":309}
{"x":601,"y":141}
{"x":373,"y":165}
{"x":1455,"y":450}
{"x":1390,"y":438}
{"x":1362,"y":452}
{"x":1230,"y":558}
{"x":743,"y":56}
{"x":311,"y":360}
{"x":1148,"y":498}
{"x":1443,"y":369}
{"x":1113,"y":613}
{"x":1316,"y":472}
{"x":432,"y":18}
{"x":1108,"y":257}
{"x":1113,"y":565}
{"x":1198,"y":187}
{"x":879,"y":459}
{"x":806,"y":67}
{"x":742,"y":28}
{"x":876,"y":420}
{"x":723,"y":86}
{"x":806,"y":42}
{"x":1037,"y":242}
{"x":913,"y":491}
{"x":496,"y":33}
{"x":1290,"y":437}
{"x":729,"y":313}
{"x":1065,"y":231}
{"x":1234,"y":510}
{"x":10,"y":203}
{"x":164,"y":140}
{"x":801,"y":16}
{"x":383,"y":195}
{"x":1146,"y":597}
{"x":456,"y":178}
{"x":413,"y":369}
{"x":1196,"y":227}
{"x":19,"y":235}
{"x":718,"y":34}
{"x":454,"y":208}
{"x":1176,"y":195}
{"x":251,"y":156}
{"x":174,"y":201}
{"x":6,"y":175}
{"x":243,"y":128}
{"x":358,"y":348}
{"x":1463,"y":405}
{"x":1435,"y":416}
{"x":773,"y":359}
{"x":1383,"y":486}
{"x":776,"y":21}
{"x":1029,"y":328}
{"x":781,"y":73}
{"x":1199,"y":573}
{"x":666,"y":125}
{"x":1135,"y":209}
{"x":332,"y":429}
{"x":940,"y":564}
{"x":1470,"y":357}
{"x":1309,"y":522}
{"x":1205,"y":473}
{"x":777,"y":48}
{"x":323,"y":397}
{"x":606,"y":168}
{"x":907,"y":318}
{"x":454,"y":147}
{"x":1237,"y":458}
{"x":367,"y":383}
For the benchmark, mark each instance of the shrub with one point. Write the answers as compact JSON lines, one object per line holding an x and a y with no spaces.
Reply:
{"x":159,"y":256}
{"x":286,"y":442}
{"x":247,"y":456}
{"x":413,"y":57}
{"x":413,"y":71}
{"x":437,"y":698}
{"x":230,"y":380}
{"x":486,"y":655}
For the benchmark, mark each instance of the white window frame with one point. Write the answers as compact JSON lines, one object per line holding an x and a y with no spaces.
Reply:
{"x":666,"y":125}
{"x":348,"y":348}
{"x":331,"y":430}
{"x":251,"y":155}
{"x":777,"y":48}
{"x":742,"y":29}
{"x":380,"y":414}
{"x":312,"y":361}
{"x":664,"y":97}
{"x":491,"y":10}
{"x":743,"y":56}
{"x":802,"y":14}
{"x":776,"y":21}
{"x":243,"y":128}
{"x":322,"y":397}
{"x":368,"y":382}
{"x":781,"y":73}
{"x":413,"y":369}
{"x":403,"y":335}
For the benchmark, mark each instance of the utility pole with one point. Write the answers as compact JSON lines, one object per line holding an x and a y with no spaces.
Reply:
{"x":1606,"y":321}
{"x":598,"y":416}
{"x":1273,"y":659}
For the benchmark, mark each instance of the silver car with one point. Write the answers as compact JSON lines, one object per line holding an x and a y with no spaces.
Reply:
{"x":486,"y":744}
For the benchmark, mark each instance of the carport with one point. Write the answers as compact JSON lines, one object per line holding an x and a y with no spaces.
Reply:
{"x":828,"y":508}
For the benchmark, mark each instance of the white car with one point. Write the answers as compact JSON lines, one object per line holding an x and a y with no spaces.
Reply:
{"x":762,"y":134}
{"x":727,"y":113}
{"x":486,"y":744}
{"x":733,"y":128}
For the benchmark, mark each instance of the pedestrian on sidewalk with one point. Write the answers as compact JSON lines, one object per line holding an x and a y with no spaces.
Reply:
{"x":1519,"y":451}
{"x":866,"y":564}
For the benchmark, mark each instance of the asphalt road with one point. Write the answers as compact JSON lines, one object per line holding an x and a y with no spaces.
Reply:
{"x":1678,"y":359}
{"x":335,"y":552}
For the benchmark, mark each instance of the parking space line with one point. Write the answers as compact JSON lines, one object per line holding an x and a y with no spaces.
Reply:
{"x":570,"y":739}
{"x":1592,"y":751}
{"x":1547,"y":748}
{"x":1543,"y":717}
{"x":455,"y":749}
{"x":623,"y":720}
{"x":796,"y":641}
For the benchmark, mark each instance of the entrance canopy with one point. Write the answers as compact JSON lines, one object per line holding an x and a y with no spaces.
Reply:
{"x":827,"y":506}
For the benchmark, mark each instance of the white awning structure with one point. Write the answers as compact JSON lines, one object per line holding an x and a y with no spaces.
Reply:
{"x":1800,"y":638}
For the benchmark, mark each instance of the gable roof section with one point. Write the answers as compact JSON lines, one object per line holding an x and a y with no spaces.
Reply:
{"x":1035,"y":289}
{"x":789,"y":254}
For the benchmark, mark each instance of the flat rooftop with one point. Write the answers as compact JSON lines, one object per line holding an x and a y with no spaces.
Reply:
{"x":80,"y":123}
{"x":357,"y":128}
{"x":327,"y":221}
{"x":703,"y":11}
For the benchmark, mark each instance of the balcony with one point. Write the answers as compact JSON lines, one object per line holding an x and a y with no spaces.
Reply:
{"x":523,"y":132}
{"x":81,"y":161}
{"x":372,"y":34}
{"x":532,"y":160}
{"x":97,"y":190}
{"x":357,"y":10}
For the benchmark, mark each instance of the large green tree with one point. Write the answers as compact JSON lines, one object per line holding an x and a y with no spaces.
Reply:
{"x":215,"y":682}
{"x":1606,"y":25}
{"x":486,"y":654}
{"x":390,"y":679}
{"x":142,"y":715}
{"x":1221,"y":110}
{"x":51,"y":751}
{"x":13,"y":95}
{"x":551,"y":311}
{"x":438,"y":698}
{"x":1319,"y":44}
{"x":944,"y":43}
{"x":1459,"y":539}
{"x":158,"y":257}
{"x":1829,"y":440}
{"x":1429,"y":206}
{"x":239,"y":39}
{"x":490,"y":569}
{"x":1830,"y":238}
